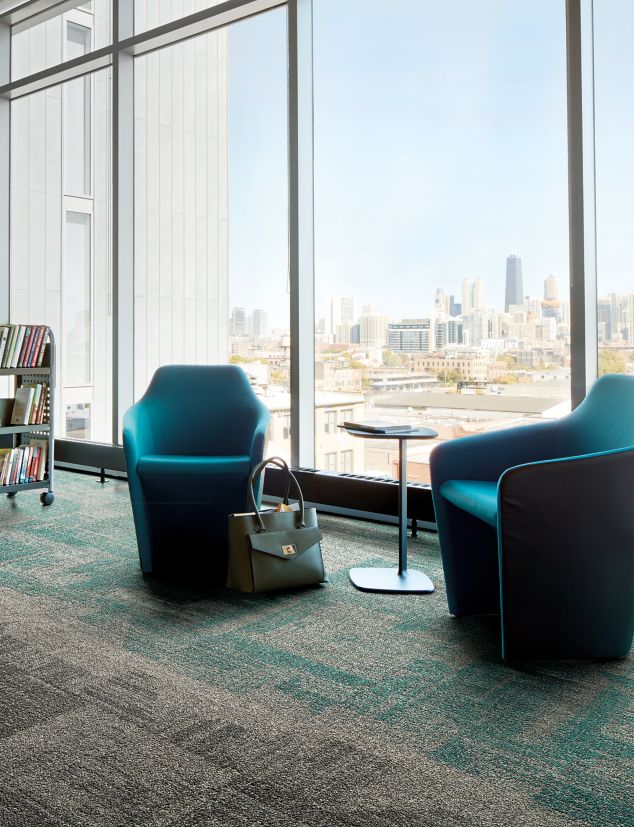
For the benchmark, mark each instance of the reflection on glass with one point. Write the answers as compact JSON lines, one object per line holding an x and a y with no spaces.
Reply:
{"x":36,"y":46}
{"x":148,"y":14}
{"x":77,"y":104}
{"x":77,"y":421}
{"x":60,"y":263}
{"x":211,"y":214}
{"x":76,"y":301}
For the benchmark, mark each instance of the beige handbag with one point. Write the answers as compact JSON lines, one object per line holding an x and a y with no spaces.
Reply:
{"x":274,"y":549}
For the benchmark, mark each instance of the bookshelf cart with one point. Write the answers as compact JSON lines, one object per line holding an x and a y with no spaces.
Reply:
{"x":45,"y":430}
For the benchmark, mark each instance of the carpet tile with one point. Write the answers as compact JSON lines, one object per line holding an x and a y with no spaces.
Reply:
{"x":161,"y":702}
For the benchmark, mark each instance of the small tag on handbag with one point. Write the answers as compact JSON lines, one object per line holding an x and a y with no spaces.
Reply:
{"x":289,"y":551}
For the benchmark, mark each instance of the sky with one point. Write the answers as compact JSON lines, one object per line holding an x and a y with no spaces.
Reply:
{"x":440,"y":148}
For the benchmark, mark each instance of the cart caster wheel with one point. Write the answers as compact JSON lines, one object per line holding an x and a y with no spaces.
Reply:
{"x":47,"y":498}
{"x":11,"y":494}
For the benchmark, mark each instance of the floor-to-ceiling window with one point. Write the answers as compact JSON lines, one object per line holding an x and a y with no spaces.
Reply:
{"x":61,"y":214}
{"x":211,"y":207}
{"x":441,"y":227}
{"x":614,"y":125}
{"x":441,"y":220}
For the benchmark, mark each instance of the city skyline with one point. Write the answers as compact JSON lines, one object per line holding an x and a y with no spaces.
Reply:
{"x":417,"y":207}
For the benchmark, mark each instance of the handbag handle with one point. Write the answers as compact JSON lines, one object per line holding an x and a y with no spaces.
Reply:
{"x":279,"y":463}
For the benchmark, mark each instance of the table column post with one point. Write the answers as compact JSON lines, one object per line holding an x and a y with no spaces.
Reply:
{"x":402,"y":506}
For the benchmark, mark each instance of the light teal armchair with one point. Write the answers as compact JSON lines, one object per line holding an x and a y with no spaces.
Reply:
{"x":190,"y":443}
{"x":537,"y":523}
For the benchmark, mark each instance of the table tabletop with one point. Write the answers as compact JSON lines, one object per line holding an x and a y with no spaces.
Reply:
{"x":413,"y":433}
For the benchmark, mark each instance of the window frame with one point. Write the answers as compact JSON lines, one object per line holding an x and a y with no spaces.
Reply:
{"x":119,"y":56}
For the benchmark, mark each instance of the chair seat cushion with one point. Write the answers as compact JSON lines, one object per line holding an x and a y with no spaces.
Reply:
{"x":160,"y":465}
{"x":477,"y":497}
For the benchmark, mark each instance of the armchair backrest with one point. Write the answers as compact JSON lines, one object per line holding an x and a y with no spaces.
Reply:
{"x":604,"y":421}
{"x":202,"y":409}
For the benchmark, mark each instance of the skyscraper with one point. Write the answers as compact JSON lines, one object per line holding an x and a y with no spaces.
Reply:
{"x":514,"y":286}
{"x":472,"y":296}
{"x":341,"y":312}
{"x":551,"y":305}
{"x":551,"y":288}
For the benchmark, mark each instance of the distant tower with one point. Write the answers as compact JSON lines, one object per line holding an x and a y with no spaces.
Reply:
{"x":341,"y":312}
{"x":472,"y":296}
{"x":551,"y":288}
{"x":238,"y":321}
{"x":260,"y":323}
{"x":514,"y":286}
{"x":551,"y":306}
{"x":441,"y":301}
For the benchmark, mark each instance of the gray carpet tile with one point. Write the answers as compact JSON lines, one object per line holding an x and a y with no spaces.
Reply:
{"x":161,"y":702}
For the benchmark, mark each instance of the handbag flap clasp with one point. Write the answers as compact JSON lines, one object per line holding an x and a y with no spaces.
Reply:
{"x":285,"y":544}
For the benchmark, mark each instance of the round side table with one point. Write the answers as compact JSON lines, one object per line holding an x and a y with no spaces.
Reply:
{"x":399,"y":579}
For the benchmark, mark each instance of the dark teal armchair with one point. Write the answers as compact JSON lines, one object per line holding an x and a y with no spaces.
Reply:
{"x":190,"y":443}
{"x":536,"y":523}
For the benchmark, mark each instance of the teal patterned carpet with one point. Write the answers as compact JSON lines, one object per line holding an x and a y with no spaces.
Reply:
{"x":127,"y":701}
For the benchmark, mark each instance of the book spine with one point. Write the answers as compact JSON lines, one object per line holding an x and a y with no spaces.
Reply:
{"x":29,"y":330}
{"x":36,"y":462}
{"x":37,"y":344}
{"x":10,"y":344}
{"x":29,"y":351}
{"x":14,"y":463}
{"x":5,"y":459}
{"x":18,"y":346}
{"x":4,"y":333}
{"x":29,"y":467}
{"x":42,"y":469}
{"x":40,"y":356}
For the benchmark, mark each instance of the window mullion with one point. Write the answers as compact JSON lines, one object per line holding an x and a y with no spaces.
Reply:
{"x":301,"y":233}
{"x":122,"y":217}
{"x":5,"y":170}
{"x":581,"y":199}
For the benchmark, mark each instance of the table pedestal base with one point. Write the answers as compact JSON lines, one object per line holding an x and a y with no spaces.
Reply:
{"x":389,"y":580}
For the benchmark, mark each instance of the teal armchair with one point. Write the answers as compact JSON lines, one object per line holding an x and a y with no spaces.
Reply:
{"x":190,"y":443}
{"x":536,"y":523}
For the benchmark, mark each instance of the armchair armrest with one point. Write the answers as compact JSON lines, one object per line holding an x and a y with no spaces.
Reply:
{"x":487,"y":456}
{"x":259,"y":435}
{"x":566,"y":556}
{"x":138,"y":437}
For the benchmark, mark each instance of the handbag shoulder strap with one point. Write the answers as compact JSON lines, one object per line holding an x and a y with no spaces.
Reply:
{"x":279,"y":463}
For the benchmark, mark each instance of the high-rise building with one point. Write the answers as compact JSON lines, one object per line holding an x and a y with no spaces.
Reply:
{"x":372,"y":328}
{"x":259,"y":323}
{"x":514,"y":285}
{"x":411,"y":336}
{"x":238,"y":324}
{"x":442,"y":301}
{"x":472,"y":296}
{"x":551,"y":288}
{"x":341,"y":312}
{"x":551,"y":306}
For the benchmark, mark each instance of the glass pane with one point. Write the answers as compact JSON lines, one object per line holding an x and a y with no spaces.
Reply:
{"x":210,"y":173}
{"x":76,"y":300}
{"x":614,"y":114}
{"x":148,"y":14}
{"x":49,"y":43}
{"x":60,"y":252}
{"x":77,"y":126}
{"x":441,"y":221}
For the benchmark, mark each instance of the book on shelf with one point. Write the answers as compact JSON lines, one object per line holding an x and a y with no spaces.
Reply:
{"x":24,"y":464}
{"x":4,"y":335}
{"x":35,"y":414}
{"x":22,"y":346}
{"x":377,"y":426}
{"x":22,"y":405}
